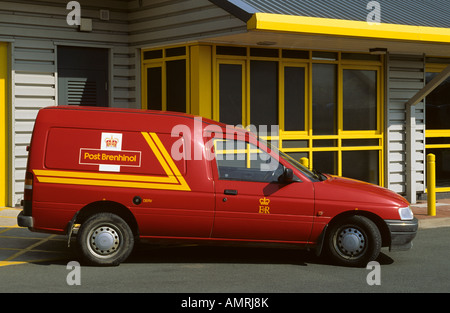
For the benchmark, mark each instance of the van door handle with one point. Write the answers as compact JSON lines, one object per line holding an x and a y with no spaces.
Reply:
{"x":232,"y":192}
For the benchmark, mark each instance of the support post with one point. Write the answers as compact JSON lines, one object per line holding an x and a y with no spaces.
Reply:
{"x":431,"y":184}
{"x":304,"y":162}
{"x":410,"y":146}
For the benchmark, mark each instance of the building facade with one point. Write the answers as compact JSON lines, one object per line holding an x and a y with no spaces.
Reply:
{"x":361,"y":89}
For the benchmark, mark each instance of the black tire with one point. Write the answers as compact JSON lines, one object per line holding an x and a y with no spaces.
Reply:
{"x":104,"y":239}
{"x":353,"y":241}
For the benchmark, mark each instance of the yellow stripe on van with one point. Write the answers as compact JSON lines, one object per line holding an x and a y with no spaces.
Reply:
{"x":169,"y":160}
{"x":173,"y":181}
{"x":110,"y":183}
{"x":104,"y":176}
{"x":157,"y":153}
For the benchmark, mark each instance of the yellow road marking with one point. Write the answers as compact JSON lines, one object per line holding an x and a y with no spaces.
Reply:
{"x":29,"y":248}
{"x":6,"y":263}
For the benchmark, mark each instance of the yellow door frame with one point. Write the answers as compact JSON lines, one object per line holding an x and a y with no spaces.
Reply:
{"x":203,"y":65}
{"x":437,"y":133}
{"x":3,"y":123}
{"x":283,"y":65}
{"x":307,"y":134}
{"x":216,"y":104}
{"x":161,"y":61}
{"x":144,"y":84}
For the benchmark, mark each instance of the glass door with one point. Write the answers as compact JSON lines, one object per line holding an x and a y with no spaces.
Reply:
{"x":438,"y":129}
{"x":231,"y":93}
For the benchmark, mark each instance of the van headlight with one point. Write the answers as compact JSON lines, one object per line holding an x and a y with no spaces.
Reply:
{"x":405,"y":214}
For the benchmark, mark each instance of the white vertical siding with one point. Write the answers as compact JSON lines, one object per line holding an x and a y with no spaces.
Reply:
{"x":33,"y":87}
{"x":405,"y":129}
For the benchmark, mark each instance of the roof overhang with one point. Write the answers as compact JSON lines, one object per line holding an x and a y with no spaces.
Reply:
{"x":334,"y":27}
{"x":328,"y":26}
{"x":299,"y":32}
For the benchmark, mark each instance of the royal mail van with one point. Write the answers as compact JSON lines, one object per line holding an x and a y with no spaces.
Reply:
{"x":110,"y":177}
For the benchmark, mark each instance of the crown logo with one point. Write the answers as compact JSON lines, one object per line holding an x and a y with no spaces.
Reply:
{"x":111,"y":142}
{"x":264,"y":201}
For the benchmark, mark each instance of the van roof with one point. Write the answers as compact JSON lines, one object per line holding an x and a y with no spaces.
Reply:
{"x":128,"y":110}
{"x":142,"y":111}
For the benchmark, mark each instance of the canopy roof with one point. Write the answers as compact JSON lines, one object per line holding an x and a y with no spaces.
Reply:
{"x":432,"y":13}
{"x":418,"y":26}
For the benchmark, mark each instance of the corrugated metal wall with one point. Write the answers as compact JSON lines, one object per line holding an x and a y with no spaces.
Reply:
{"x":176,"y":21}
{"x":434,"y":13}
{"x":405,"y":127}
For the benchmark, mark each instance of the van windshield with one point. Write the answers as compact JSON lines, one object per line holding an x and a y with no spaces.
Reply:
{"x":312,"y":175}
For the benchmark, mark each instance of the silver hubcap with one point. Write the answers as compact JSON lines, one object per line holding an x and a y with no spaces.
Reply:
{"x":104,"y":240}
{"x":350,"y":241}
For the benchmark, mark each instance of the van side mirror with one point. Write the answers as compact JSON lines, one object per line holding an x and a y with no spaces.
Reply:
{"x":287,"y":176}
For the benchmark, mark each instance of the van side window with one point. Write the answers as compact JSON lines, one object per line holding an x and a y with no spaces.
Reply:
{"x":243,"y":161}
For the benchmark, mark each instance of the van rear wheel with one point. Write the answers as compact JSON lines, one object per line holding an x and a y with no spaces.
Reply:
{"x":354,"y":241}
{"x":104,"y":239}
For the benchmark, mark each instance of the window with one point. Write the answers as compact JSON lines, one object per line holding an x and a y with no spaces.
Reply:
{"x":362,"y":165}
{"x":164,"y":79}
{"x":438,"y":129}
{"x":324,"y":104}
{"x":326,"y":162}
{"x":263,"y":93}
{"x":327,"y":104}
{"x":243,"y":161}
{"x":176,"y":85}
{"x":154,"y":88}
{"x":438,"y":105}
{"x":230,"y":93}
{"x":294,"y":98}
{"x":360,"y":100}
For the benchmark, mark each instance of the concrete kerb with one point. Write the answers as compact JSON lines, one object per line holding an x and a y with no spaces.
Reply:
{"x":8,"y":216}
{"x":442,"y":218}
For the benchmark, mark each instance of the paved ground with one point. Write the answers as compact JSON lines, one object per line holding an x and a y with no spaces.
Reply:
{"x":442,"y":218}
{"x":18,"y":245}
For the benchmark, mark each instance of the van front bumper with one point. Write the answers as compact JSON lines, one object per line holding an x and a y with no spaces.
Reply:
{"x":24,"y":220}
{"x":402,"y":233}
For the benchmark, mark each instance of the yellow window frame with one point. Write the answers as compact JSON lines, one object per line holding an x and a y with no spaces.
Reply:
{"x":163,"y":84}
{"x":307,"y":134}
{"x":247,"y":151}
{"x":437,"y":133}
{"x":161,"y":62}
{"x":341,"y":133}
{"x":3,"y":122}
{"x":281,"y":99}
{"x":216,"y":102}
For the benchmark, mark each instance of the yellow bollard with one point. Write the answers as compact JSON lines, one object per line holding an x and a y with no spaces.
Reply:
{"x":431,"y":184}
{"x":304,"y":162}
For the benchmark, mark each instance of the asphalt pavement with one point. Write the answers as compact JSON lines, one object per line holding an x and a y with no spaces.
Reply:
{"x":18,"y":245}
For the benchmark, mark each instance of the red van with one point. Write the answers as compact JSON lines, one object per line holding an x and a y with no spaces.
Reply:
{"x":113,"y":176}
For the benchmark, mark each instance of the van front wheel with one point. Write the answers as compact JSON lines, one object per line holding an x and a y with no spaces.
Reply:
{"x":354,"y":241}
{"x":104,"y":239}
